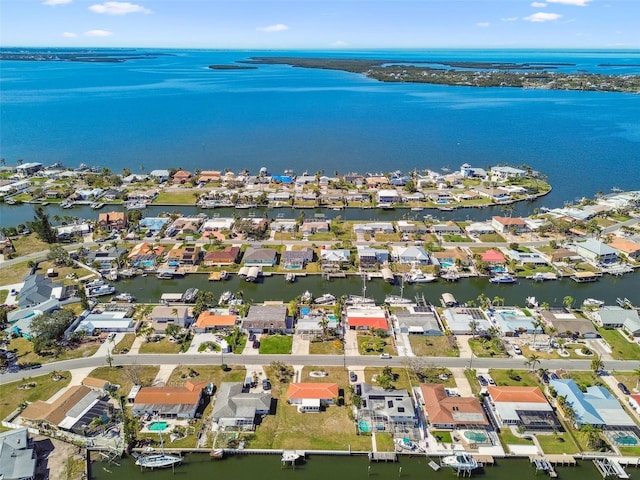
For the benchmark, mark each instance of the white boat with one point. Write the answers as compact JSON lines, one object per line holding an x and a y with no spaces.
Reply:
{"x":397,"y":300}
{"x":307,"y":297}
{"x":97,"y":205}
{"x":225,"y":298}
{"x":101,"y":291}
{"x":224,"y":275}
{"x":190,"y":295}
{"x":532,"y":301}
{"x":290,"y":277}
{"x":417,"y":276}
{"x":461,"y":462}
{"x":124,"y":297}
{"x":503,"y":278}
{"x":325,"y":299}
{"x":406,"y":444}
{"x":359,"y":300}
{"x":592,"y":302}
{"x":136,"y":206}
{"x":95,"y":283}
{"x":450,"y":275}
{"x":158,"y":460}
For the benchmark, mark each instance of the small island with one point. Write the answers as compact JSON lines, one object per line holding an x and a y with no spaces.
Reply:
{"x":231,"y":67}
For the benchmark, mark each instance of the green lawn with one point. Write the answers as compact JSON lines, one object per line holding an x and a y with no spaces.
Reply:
{"x":274,"y":344}
{"x":206,"y":373}
{"x":14,"y":273}
{"x":443,"y":436}
{"x":177,"y":197}
{"x":3,"y":295}
{"x":584,"y":378}
{"x":374,"y":345}
{"x":526,"y":378}
{"x":401,"y":382}
{"x":328,"y":347}
{"x":473,"y":381}
{"x":508,"y":438}
{"x":163,"y":346}
{"x":621,"y":348}
{"x":444,"y":346}
{"x":492,"y":348}
{"x":11,"y":396}
{"x":25,"y":244}
{"x":557,"y":444}
{"x":126,"y":376}
{"x":124,"y":345}
{"x":491,"y":237}
{"x":23,"y":350}
{"x":630,"y":451}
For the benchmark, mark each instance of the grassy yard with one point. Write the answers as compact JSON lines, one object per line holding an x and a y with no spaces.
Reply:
{"x":177,"y":197}
{"x":526,"y":378}
{"x":367,"y":345}
{"x":401,"y":382}
{"x":443,"y":346}
{"x":274,"y":344}
{"x":630,"y":451}
{"x":163,"y":346}
{"x":334,"y":375}
{"x":3,"y":295}
{"x":13,"y":274}
{"x":126,"y":376}
{"x":584,"y":378}
{"x":491,"y":348}
{"x":124,"y":345}
{"x":473,"y":381}
{"x":491,"y":237}
{"x":11,"y":396}
{"x":25,"y":244}
{"x":559,"y":443}
{"x":443,"y":436}
{"x":384,"y":442}
{"x":23,"y":349}
{"x":570,"y":349}
{"x":508,"y":438}
{"x":621,"y":348}
{"x":206,"y":373}
{"x":328,"y":347}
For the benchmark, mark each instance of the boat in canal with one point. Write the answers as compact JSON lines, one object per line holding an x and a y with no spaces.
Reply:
{"x":417,"y":276}
{"x":101,"y":291}
{"x":190,"y":295}
{"x":503,"y":278}
{"x":158,"y":460}
{"x":123,"y":297}
{"x":461,"y":462}
{"x":325,"y":299}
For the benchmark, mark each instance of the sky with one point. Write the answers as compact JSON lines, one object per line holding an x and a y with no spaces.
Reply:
{"x":313,"y":24}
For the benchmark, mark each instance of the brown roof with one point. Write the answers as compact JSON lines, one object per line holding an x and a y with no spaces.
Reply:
{"x":189,"y":394}
{"x":443,"y":409}
{"x":517,"y":394}
{"x":182,"y":174}
{"x":509,"y":220}
{"x":56,"y":411}
{"x":210,"y":319}
{"x":228,"y":255}
{"x":624,"y":245}
{"x":93,"y":382}
{"x":452,"y":253}
{"x":321,"y":391}
{"x":112,"y":217}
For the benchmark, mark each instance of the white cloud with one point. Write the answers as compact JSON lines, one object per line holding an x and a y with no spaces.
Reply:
{"x":509,"y":19}
{"x":339,"y":43}
{"x":97,"y":33}
{"x":483,"y":24}
{"x":56,"y":2}
{"x":543,"y":17}
{"x":538,"y":4}
{"x":118,"y":8}
{"x":577,"y":3}
{"x":69,"y":34}
{"x":278,"y":27}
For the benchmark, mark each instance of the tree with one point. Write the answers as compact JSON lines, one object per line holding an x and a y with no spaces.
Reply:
{"x":173,"y":330}
{"x":324,"y":325}
{"x":537,"y":324}
{"x":42,"y":226}
{"x":593,"y":435}
{"x":147,"y":331}
{"x":51,"y":326}
{"x":532,"y":361}
{"x":473,"y":327}
{"x":59,"y":256}
{"x":597,"y":364}
{"x":568,"y":301}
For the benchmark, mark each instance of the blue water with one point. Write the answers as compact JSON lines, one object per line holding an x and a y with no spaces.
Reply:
{"x":174,"y":111}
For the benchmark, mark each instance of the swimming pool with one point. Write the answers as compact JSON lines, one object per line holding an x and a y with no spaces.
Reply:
{"x":444,"y":264}
{"x":364,"y":426}
{"x":476,"y":436}
{"x":158,"y":426}
{"x":623,"y":439}
{"x":305,"y":311}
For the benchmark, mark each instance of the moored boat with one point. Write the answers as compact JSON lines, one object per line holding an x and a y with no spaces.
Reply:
{"x":460,"y":462}
{"x":325,"y":299}
{"x":503,"y":278}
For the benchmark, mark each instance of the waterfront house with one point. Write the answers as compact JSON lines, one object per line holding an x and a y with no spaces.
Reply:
{"x":596,"y":407}
{"x":527,"y":259}
{"x":357,"y":196}
{"x":493,"y":257}
{"x":189,"y":255}
{"x":458,"y":320}
{"x":420,"y":322}
{"x":334,"y":259}
{"x":376,"y":181}
{"x":284,"y":225}
{"x":522,"y":407}
{"x":217,"y":224}
{"x":446,"y":412}
{"x":236,"y":409}
{"x":135,"y":178}
{"x":207,"y":176}
{"x":312,"y":397}
{"x":479,"y":228}
{"x":315,"y":226}
{"x":451,"y":256}
{"x":512,"y":321}
{"x":107,"y":257}
{"x":87,"y":194}
{"x":145,"y":196}
{"x":72,"y":411}
{"x":154,"y":224}
{"x":296,"y":259}
{"x":509,"y":225}
{"x":268,"y":319}
{"x":596,"y":251}
{"x":370,"y":257}
{"x":467,"y":171}
{"x":627,"y":247}
{"x":228,"y":256}
{"x":161,"y":316}
{"x":496,"y":195}
{"x":441,"y":197}
{"x":373,"y":227}
{"x":211,"y":321}
{"x":406,"y":227}
{"x":181,"y":177}
{"x":387,"y":196}
{"x":567,"y":324}
{"x":449,"y":228}
{"x":506,"y":173}
{"x":107,"y":321}
{"x":387,"y":410}
{"x":145,"y":250}
{"x":18,"y":458}
{"x":308,"y":323}
{"x":184,"y":226}
{"x":112,"y":220}
{"x":618,"y":317}
{"x":28,"y":169}
{"x":260,"y":257}
{"x":170,"y":402}
{"x":160,"y":176}
{"x":366,"y":318}
{"x":412,"y":255}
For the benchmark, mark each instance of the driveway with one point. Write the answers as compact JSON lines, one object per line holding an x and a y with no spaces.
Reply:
{"x":351,"y":343}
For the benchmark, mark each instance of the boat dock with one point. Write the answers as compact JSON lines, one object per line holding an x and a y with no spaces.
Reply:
{"x":543,"y":465}
{"x":585,"y":277}
{"x":609,"y":467}
{"x":383,"y":457}
{"x":484,"y":460}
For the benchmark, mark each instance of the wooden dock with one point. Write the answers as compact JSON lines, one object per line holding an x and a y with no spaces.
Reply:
{"x":484,"y":460}
{"x":383,"y":457}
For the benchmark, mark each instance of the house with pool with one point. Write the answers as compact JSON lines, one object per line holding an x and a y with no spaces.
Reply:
{"x":384,"y":410}
{"x":515,"y":406}
{"x":445,"y":411}
{"x":168,"y":402}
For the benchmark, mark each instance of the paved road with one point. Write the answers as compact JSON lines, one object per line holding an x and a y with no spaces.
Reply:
{"x":320,"y":360}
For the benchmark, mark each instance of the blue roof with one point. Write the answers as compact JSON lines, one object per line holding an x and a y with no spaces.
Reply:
{"x":282,"y":178}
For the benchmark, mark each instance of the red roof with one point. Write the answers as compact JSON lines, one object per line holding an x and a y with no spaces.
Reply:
{"x":320,"y":391}
{"x":493,"y":256}
{"x":369,"y":322}
{"x":515,"y":394}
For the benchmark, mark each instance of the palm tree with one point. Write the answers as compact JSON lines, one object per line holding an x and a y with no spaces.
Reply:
{"x":597,"y":364}
{"x":532,"y":360}
{"x":568,"y":301}
{"x":324,"y":324}
{"x":592,"y":433}
{"x":537,"y":324}
{"x":473,"y":327}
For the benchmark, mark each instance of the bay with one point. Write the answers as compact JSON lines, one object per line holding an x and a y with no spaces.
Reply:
{"x":173,"y":111}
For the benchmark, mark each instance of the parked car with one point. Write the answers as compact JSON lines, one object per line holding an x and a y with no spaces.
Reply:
{"x":252,"y":337}
{"x":256,"y":344}
{"x":553,"y":376}
{"x":266,"y":384}
{"x":385,"y":355}
{"x":516,"y":350}
{"x":353,"y":377}
{"x":358,"y":389}
{"x":623,"y":388}
{"x":482,"y":380}
{"x":491,"y":382}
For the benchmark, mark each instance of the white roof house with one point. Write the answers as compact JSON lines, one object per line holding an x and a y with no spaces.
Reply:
{"x":596,"y":251}
{"x":458,"y":320}
{"x":618,"y":317}
{"x":111,"y":321}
